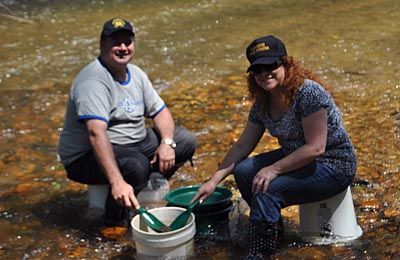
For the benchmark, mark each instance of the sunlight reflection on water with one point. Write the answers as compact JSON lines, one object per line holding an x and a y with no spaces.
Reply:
{"x":194,"y":54}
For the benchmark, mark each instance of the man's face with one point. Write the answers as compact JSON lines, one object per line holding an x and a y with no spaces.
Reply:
{"x":118,"y":49}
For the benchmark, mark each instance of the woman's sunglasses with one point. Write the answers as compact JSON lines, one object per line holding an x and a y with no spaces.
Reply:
{"x":266,"y":68}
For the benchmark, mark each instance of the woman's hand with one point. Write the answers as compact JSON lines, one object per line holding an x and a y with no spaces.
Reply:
{"x":263,"y":178}
{"x":205,"y":191}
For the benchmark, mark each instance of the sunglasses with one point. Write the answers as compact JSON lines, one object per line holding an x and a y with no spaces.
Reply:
{"x":266,"y":68}
{"x":127,"y":42}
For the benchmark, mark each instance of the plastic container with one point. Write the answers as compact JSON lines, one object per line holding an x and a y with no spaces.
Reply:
{"x":219,"y":200}
{"x":333,"y":218}
{"x":239,"y":223}
{"x":97,"y":195}
{"x":213,"y":222}
{"x":170,"y":245}
{"x":155,"y":192}
{"x":212,"y":214}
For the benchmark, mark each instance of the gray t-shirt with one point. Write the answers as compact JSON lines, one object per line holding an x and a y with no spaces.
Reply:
{"x":95,"y":94}
{"x":339,"y":152}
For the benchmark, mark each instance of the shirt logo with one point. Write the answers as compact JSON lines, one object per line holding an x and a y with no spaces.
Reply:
{"x":128,"y":104}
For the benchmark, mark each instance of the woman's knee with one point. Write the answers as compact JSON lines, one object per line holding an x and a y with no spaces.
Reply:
{"x":243,"y":168}
{"x":243,"y":173}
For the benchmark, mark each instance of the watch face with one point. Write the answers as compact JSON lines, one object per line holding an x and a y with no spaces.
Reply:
{"x":169,"y":142}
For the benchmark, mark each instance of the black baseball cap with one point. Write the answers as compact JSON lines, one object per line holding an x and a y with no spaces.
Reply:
{"x":115,"y":25}
{"x":265,"y":50}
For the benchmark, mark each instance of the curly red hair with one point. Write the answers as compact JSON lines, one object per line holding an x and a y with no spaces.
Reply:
{"x":295,"y":74}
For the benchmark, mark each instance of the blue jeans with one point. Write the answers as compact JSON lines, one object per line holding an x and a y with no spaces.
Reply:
{"x":313,"y":182}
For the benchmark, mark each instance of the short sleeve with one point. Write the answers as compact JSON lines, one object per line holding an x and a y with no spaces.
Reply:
{"x":92,"y":100}
{"x":255,"y":114}
{"x":312,"y":97}
{"x":153,"y":103}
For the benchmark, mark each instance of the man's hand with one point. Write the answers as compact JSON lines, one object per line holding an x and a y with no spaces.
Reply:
{"x":123,"y":194}
{"x":165,"y":155}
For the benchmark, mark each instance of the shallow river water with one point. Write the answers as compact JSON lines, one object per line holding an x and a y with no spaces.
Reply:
{"x":193,"y":52}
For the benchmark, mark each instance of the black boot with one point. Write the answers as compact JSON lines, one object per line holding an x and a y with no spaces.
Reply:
{"x":263,"y":239}
{"x":281,"y":231}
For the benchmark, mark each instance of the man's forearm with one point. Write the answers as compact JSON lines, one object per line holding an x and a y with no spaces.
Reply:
{"x":103,"y":150}
{"x":164,"y":124}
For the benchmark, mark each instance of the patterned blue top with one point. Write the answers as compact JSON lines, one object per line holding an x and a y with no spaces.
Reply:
{"x":339,"y":152}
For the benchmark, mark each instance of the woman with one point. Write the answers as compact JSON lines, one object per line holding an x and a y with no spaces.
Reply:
{"x":316,"y":159}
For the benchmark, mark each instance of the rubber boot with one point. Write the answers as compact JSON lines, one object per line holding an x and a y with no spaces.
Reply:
{"x":263,"y":240}
{"x":281,"y":231}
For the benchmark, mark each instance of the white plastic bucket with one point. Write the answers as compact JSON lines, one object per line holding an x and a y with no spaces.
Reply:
{"x":333,"y":218}
{"x":97,"y":196}
{"x":173,"y":244}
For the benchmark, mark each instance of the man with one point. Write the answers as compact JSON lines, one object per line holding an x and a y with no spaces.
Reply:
{"x":105,"y":139}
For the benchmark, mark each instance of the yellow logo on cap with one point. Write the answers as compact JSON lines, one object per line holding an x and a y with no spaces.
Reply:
{"x":259,"y":47}
{"x":118,"y":23}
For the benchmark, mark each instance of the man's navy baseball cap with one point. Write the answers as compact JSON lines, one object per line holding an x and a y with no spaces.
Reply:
{"x":265,"y":50}
{"x":116,"y":25}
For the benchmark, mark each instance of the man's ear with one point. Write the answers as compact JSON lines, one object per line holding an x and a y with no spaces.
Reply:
{"x":102,"y":41}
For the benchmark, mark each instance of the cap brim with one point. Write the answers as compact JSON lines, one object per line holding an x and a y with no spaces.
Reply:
{"x":264,"y":61}
{"x":107,"y":34}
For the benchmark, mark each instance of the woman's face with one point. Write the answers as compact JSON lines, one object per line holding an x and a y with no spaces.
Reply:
{"x":270,"y":76}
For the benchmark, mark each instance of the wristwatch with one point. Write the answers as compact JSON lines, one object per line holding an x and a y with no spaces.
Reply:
{"x":169,"y":142}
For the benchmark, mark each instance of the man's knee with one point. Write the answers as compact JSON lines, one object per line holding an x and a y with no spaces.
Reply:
{"x":186,"y":139}
{"x":186,"y":145}
{"x":135,"y":169}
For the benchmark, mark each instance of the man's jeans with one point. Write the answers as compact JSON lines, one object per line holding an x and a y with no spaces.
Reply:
{"x":313,"y":182}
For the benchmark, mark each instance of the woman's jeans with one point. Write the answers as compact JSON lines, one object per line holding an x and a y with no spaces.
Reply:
{"x":134,"y":164}
{"x":313,"y":182}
